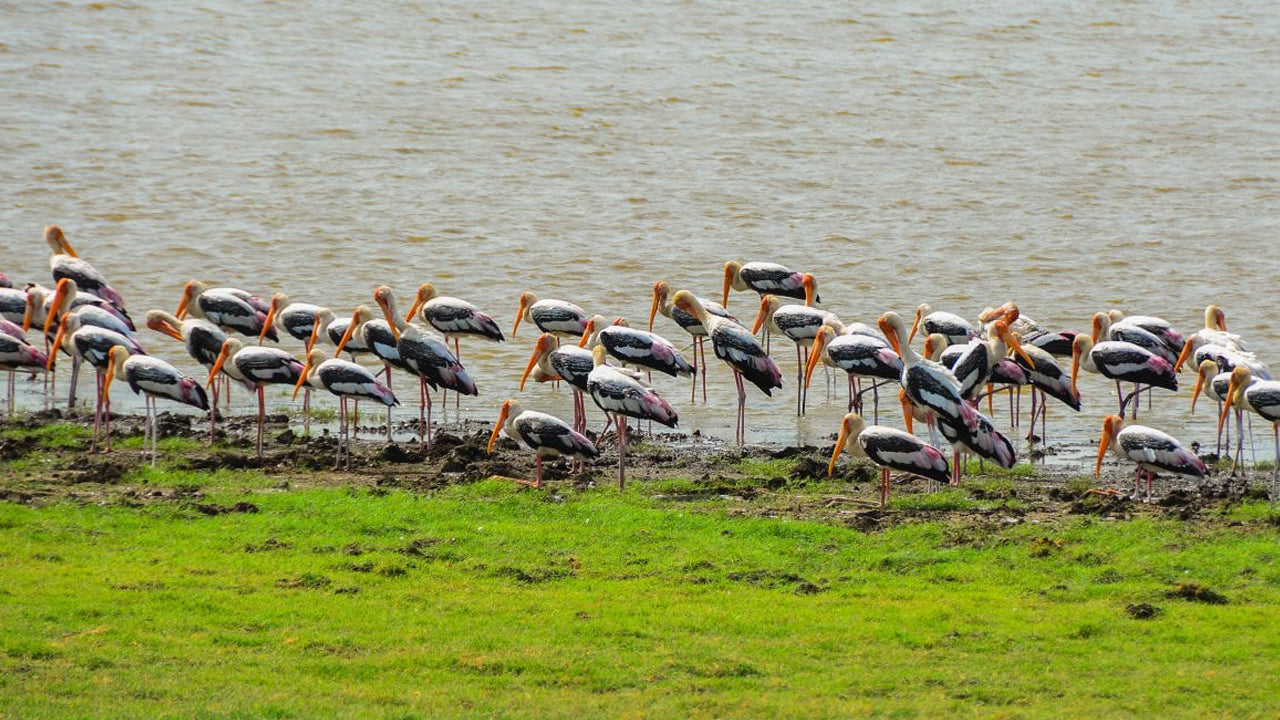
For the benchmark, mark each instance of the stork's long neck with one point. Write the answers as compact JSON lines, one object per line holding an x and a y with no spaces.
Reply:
{"x":396,"y":317}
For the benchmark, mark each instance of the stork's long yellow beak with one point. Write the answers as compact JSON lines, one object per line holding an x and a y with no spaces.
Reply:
{"x":497,"y":427}
{"x":302,"y":379}
{"x":346,"y":336}
{"x":217,"y":364}
{"x":841,"y":440}
{"x":815,"y":354}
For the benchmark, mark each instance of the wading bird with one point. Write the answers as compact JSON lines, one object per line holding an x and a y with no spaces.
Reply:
{"x":765,"y":277}
{"x":346,"y":380}
{"x":426,"y":355}
{"x":622,"y":396}
{"x":228,"y":308}
{"x":1123,"y":362}
{"x":377,"y":335}
{"x":928,"y":384}
{"x":1152,"y":450}
{"x":65,"y":263}
{"x":558,"y":317}
{"x":544,"y":434}
{"x":636,"y":348}
{"x":954,"y":328}
{"x":551,"y":361}
{"x":17,"y":354}
{"x":797,"y":323}
{"x":889,"y":448}
{"x":260,"y":366}
{"x":93,"y":345}
{"x":203,"y":341}
{"x":1261,"y":397}
{"x":738,"y":348}
{"x":859,"y":356}
{"x":152,"y":378}
{"x":662,"y":304}
{"x":297,"y":319}
{"x":453,"y":317}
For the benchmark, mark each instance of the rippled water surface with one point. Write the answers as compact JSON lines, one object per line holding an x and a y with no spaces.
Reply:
{"x":1073,"y":156}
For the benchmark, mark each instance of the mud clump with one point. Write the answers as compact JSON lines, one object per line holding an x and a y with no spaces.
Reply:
{"x":1143,"y":611}
{"x":1197,"y":593}
{"x":1102,"y":505}
{"x":400,"y":455}
{"x":214,"y":509}
{"x":105,"y":469}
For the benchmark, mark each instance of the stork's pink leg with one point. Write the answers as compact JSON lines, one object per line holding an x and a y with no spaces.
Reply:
{"x":955,"y":467}
{"x":97,"y":415}
{"x":704,"y":371}
{"x":741,"y":434}
{"x":422,"y":411}
{"x":457,"y":352}
{"x":262,"y":413}
{"x":622,"y":451}
{"x":884,"y":487}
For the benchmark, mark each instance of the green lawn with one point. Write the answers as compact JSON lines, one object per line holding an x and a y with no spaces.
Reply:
{"x":491,"y":601}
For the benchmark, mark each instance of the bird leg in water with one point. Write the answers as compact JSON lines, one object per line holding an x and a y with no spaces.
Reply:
{"x":262,"y":406}
{"x":75,"y":377}
{"x":704,"y":371}
{"x":622,"y":451}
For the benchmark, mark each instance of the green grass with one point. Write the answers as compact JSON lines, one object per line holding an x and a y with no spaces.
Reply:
{"x":973,"y":466}
{"x":167,"y":446}
{"x":757,"y":467}
{"x":53,"y":436}
{"x":486,"y":600}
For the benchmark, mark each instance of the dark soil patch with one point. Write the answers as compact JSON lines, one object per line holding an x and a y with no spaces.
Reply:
{"x":1143,"y":611}
{"x":215,"y":509}
{"x":1197,"y":593}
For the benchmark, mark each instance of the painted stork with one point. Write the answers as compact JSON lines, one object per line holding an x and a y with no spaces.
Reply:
{"x":1159,"y":327}
{"x":65,"y":263}
{"x":1152,"y":451}
{"x":258,"y":365}
{"x":297,"y":319}
{"x":229,"y":308}
{"x":928,"y":384}
{"x":799,"y":324}
{"x":346,"y":380}
{"x":859,"y":356}
{"x":1123,"y":362}
{"x":93,"y":345}
{"x":62,"y":302}
{"x":203,"y":341}
{"x":979,"y":358}
{"x":558,"y":317}
{"x":1047,"y":379}
{"x":622,"y":396}
{"x":426,"y":355}
{"x":954,"y":328}
{"x":152,"y":378}
{"x":738,"y":348}
{"x":688,"y":323}
{"x":636,"y":348}
{"x":5,"y":282}
{"x":544,"y":434}
{"x":13,"y":304}
{"x":453,"y":317}
{"x":1214,"y":384}
{"x":889,"y":448}
{"x":1261,"y":397}
{"x":552,"y":361}
{"x":1103,"y":329}
{"x":770,"y":278}
{"x":17,"y":354}
{"x":377,"y":335}
{"x":40,"y":300}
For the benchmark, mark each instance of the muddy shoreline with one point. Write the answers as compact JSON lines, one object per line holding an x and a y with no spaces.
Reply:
{"x":759,"y":480}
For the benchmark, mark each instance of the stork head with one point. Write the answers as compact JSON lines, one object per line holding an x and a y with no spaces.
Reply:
{"x":850,"y":426}
{"x":527,"y":299}
{"x":58,"y":241}
{"x":1111,"y":426}
{"x":732,"y":279}
{"x":661,"y":291}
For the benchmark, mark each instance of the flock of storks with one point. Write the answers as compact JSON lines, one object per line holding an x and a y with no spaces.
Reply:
{"x":959,"y":365}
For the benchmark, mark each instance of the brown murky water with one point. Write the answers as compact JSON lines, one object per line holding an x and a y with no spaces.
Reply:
{"x":1074,"y":157}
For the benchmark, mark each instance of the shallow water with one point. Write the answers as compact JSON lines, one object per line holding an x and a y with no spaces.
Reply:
{"x":1075,"y":157}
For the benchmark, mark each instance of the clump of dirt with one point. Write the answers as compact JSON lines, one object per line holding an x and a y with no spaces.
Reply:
{"x":216,"y":509}
{"x":266,"y":546}
{"x":1103,"y":505}
{"x":1143,"y":611}
{"x":102,"y":469}
{"x":1197,"y":593}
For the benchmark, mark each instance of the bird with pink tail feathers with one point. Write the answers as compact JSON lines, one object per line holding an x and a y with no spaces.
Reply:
{"x":621,"y":396}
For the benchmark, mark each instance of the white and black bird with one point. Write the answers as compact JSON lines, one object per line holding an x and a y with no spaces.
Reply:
{"x":767,"y":278}
{"x":152,"y":378}
{"x":203,"y":341}
{"x":259,"y":366}
{"x":561,"y":318}
{"x":952,"y":327}
{"x":1122,"y":361}
{"x":928,"y":384}
{"x":544,"y":434}
{"x":65,"y":263}
{"x":738,"y":348}
{"x":374,"y":333}
{"x":620,"y":395}
{"x":229,"y":308}
{"x":297,"y":319}
{"x":797,"y":323}
{"x":1261,"y":397}
{"x":1161,"y":328}
{"x":1104,"y":330}
{"x":690,"y":324}
{"x":427,"y":355}
{"x":1150,"y":449}
{"x":552,"y":361}
{"x":453,"y":317}
{"x":859,"y":356}
{"x":17,"y":354}
{"x":890,"y":449}
{"x":346,"y":380}
{"x":635,"y":348}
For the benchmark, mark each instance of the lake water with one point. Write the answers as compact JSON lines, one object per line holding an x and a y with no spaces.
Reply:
{"x":1071,"y":156}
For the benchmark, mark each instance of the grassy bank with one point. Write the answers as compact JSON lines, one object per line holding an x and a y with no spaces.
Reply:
{"x":234,"y":598}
